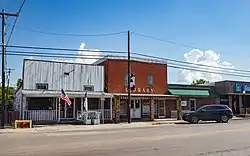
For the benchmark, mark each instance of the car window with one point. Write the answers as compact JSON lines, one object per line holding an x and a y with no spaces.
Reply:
{"x":210,"y":108}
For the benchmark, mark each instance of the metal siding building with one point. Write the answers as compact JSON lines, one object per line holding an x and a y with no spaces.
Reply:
{"x":38,"y":97}
{"x":52,"y":73}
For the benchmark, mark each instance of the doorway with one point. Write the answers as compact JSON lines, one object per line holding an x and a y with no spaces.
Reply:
{"x":192,"y":104}
{"x":66,"y":111}
{"x":135,"y":109}
{"x":162,"y":109}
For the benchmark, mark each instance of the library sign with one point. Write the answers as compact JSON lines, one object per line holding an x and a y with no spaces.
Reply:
{"x":141,"y":90}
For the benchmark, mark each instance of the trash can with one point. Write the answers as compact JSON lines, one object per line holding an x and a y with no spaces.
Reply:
{"x":91,"y":118}
{"x":95,"y":118}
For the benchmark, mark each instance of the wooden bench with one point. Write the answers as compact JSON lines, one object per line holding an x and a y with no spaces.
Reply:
{"x":23,"y":124}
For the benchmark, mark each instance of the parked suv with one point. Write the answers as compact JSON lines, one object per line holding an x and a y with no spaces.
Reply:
{"x":217,"y":112}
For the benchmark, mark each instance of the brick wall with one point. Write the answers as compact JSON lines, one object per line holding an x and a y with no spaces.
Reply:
{"x":115,"y":71}
{"x":199,"y":102}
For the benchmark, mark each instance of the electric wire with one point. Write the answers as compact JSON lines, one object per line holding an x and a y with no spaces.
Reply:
{"x":171,"y":65}
{"x":124,"y":52}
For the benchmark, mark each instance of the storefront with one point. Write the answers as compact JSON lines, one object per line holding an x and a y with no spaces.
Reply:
{"x":148,"y":99}
{"x":235,"y":94}
{"x":192,"y":97}
{"x":144,"y":106}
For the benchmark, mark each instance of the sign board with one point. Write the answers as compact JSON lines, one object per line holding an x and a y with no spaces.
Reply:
{"x":141,"y":90}
{"x":238,"y":87}
{"x":183,"y":103}
{"x":241,"y":88}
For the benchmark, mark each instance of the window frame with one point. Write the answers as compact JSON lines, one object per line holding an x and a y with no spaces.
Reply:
{"x":46,"y":85}
{"x":150,"y":80}
{"x":125,"y":79}
{"x":88,"y":86}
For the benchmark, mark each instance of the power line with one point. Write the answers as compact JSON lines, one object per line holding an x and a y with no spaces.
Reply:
{"x":171,"y":65}
{"x":167,"y":41}
{"x":60,"y":55}
{"x":205,"y":71}
{"x":122,"y":52}
{"x":190,"y":63}
{"x":70,"y":34}
{"x":183,"y":45}
{"x":65,"y":49}
{"x":101,"y":56}
{"x":13,"y":27}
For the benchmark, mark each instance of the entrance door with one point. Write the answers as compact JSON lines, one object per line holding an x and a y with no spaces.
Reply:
{"x":69,"y":111}
{"x":192,"y":104}
{"x":66,"y":111}
{"x":162,"y":109}
{"x":135,"y":110}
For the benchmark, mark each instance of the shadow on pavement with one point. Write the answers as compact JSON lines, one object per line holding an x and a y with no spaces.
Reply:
{"x":186,"y":123}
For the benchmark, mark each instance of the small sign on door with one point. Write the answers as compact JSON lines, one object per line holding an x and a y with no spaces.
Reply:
{"x":183,"y":103}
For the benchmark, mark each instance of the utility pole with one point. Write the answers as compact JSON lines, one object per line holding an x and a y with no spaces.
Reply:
{"x":129,"y":75}
{"x":4,"y":14}
{"x":8,"y":81}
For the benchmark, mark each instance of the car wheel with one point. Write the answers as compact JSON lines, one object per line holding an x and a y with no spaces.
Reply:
{"x":194,"y":119}
{"x":224,"y":118}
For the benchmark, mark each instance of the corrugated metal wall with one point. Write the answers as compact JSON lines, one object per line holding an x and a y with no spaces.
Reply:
{"x":53,"y":74}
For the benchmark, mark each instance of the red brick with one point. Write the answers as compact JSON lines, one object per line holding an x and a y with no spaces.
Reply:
{"x":115,"y":71}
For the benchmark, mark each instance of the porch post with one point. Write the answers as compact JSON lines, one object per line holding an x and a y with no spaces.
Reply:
{"x":56,"y":109}
{"x":111,"y":109}
{"x":59,"y":110}
{"x":152,"y":116}
{"x":102,"y":108}
{"x":74,"y":108}
{"x":65,"y":109}
{"x":81,"y":105}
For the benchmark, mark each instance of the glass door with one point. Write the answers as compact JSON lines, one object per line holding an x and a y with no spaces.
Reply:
{"x":161,"y":108}
{"x":135,"y":110}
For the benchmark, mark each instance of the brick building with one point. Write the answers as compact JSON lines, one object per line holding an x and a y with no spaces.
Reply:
{"x":149,"y":99}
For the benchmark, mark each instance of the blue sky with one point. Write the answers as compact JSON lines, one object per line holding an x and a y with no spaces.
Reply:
{"x":222,"y":26}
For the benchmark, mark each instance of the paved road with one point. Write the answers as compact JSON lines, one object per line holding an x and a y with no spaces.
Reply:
{"x":213,"y":139}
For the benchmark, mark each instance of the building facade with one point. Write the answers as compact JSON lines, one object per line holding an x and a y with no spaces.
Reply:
{"x":148,"y":99}
{"x":193,"y":96}
{"x":235,"y":94}
{"x":38,"y":96}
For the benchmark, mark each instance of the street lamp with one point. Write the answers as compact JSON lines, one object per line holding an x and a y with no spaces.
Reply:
{"x":245,"y":109}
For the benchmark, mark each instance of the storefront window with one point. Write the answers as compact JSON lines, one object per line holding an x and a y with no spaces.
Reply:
{"x":145,"y":107}
{"x":123,"y":107}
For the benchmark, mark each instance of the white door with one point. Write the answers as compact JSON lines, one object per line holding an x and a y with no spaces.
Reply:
{"x":135,"y":110}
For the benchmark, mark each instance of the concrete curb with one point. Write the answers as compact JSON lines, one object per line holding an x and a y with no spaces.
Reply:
{"x":98,"y":128}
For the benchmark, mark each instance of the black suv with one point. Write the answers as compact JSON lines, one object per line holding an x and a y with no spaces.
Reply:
{"x":219,"y":113}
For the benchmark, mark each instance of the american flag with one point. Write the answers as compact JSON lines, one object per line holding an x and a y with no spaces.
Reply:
{"x":65,"y":97}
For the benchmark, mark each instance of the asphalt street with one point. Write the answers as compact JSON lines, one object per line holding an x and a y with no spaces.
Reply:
{"x":207,"y":139}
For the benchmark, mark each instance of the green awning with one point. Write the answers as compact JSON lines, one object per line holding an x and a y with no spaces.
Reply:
{"x":189,"y":92}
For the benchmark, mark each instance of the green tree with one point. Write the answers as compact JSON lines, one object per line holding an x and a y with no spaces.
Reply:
{"x":10,"y":93}
{"x":200,"y":81}
{"x":19,"y":82}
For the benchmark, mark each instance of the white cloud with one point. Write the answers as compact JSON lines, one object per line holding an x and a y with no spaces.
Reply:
{"x":209,"y":58}
{"x":85,"y":55}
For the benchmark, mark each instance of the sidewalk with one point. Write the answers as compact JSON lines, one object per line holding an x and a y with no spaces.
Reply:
{"x":101,"y":127}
